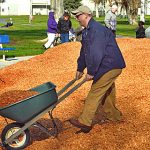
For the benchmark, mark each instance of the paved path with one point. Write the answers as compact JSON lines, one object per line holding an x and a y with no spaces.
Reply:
{"x":14,"y":60}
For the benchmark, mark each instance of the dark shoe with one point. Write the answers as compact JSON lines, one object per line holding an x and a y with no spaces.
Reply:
{"x":84,"y":128}
{"x":44,"y":47}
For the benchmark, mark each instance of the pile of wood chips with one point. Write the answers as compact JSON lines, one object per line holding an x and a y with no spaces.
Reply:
{"x":58,"y":65}
{"x":14,"y":96}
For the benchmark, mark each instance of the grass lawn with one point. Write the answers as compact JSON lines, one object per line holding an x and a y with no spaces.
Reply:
{"x":24,"y":36}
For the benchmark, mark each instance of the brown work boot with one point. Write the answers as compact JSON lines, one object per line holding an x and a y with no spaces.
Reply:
{"x":84,"y":128}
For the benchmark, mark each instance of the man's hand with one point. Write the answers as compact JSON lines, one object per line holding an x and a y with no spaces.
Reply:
{"x":88,"y":77}
{"x":79,"y":75}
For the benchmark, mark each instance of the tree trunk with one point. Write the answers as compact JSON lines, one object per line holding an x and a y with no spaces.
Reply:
{"x":142,"y":15}
{"x":30,"y":15}
{"x":53,"y":4}
{"x":96,"y":9}
{"x":131,"y":7}
{"x":133,"y":11}
{"x":58,"y":8}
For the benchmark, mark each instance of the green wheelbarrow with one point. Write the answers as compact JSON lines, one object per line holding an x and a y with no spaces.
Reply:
{"x":25,"y":113}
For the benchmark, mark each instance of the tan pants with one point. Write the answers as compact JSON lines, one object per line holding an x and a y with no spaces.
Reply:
{"x":103,"y":91}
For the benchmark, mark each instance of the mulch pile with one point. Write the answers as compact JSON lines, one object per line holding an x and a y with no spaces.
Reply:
{"x":58,"y":65}
{"x":11,"y":97}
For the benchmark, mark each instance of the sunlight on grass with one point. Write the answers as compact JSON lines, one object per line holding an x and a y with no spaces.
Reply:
{"x":23,"y":36}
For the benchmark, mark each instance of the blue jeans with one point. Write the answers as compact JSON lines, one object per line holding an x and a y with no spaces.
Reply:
{"x":64,"y":37}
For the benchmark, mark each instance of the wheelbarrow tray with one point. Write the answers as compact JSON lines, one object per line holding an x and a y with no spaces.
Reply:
{"x":26,"y":109}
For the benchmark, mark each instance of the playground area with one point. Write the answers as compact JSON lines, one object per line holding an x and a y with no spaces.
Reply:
{"x":58,"y":65}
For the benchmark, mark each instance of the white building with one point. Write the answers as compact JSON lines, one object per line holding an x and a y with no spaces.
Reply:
{"x":27,"y":7}
{"x":40,"y":7}
{"x":24,"y":7}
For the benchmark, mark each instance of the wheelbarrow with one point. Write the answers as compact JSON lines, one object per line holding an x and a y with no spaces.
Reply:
{"x":25,"y":113}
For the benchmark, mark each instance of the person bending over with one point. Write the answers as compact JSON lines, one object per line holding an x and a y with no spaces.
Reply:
{"x":102,"y":58}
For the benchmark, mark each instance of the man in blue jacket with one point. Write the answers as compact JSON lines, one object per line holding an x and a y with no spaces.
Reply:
{"x":102,"y":58}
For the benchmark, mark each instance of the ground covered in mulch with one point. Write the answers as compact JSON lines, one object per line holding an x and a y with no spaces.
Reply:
{"x":58,"y":65}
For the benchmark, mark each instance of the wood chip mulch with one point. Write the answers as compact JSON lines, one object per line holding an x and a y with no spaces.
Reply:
{"x":58,"y":65}
{"x":14,"y":96}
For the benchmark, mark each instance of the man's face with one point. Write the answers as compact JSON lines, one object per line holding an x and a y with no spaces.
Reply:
{"x":66,"y":17}
{"x":81,"y":18}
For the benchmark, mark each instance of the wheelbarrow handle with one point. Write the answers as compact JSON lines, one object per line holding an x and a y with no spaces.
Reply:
{"x":71,"y":90}
{"x":66,"y":87}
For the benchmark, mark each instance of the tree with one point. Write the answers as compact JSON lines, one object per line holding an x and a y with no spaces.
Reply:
{"x":97,"y":2}
{"x":57,"y":6}
{"x":133,"y":11}
{"x":142,"y":15}
{"x":131,"y":7}
{"x":71,"y":4}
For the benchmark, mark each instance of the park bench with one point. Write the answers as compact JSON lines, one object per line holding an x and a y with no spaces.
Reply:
{"x":4,"y":39}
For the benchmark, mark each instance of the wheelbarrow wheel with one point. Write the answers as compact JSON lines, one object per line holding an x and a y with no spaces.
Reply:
{"x":19,"y":142}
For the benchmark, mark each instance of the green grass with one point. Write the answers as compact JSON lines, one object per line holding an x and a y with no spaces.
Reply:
{"x":23,"y":36}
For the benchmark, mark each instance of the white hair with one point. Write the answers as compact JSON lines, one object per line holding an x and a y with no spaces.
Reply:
{"x":114,"y":7}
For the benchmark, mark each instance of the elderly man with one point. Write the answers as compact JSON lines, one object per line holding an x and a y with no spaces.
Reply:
{"x":110,"y":19}
{"x":102,"y":58}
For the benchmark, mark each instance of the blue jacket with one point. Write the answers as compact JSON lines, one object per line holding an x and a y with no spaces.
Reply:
{"x":51,"y":23}
{"x":99,"y":52}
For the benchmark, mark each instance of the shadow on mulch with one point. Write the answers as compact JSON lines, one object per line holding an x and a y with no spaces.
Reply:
{"x":39,"y":135}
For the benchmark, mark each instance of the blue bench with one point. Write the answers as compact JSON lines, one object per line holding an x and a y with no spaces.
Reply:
{"x":4,"y":39}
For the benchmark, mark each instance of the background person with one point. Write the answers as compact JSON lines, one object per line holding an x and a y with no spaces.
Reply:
{"x":64,"y":26}
{"x":78,"y":33}
{"x":72,"y":36}
{"x":51,"y":30}
{"x":102,"y":58}
{"x":147,"y":32}
{"x":111,"y":19}
{"x":140,"y":31}
{"x":8,"y":24}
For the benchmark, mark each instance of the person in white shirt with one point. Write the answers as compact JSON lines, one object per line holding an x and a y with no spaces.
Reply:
{"x":111,"y":19}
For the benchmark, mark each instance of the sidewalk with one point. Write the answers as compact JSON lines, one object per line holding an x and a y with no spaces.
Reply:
{"x":14,"y":60}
